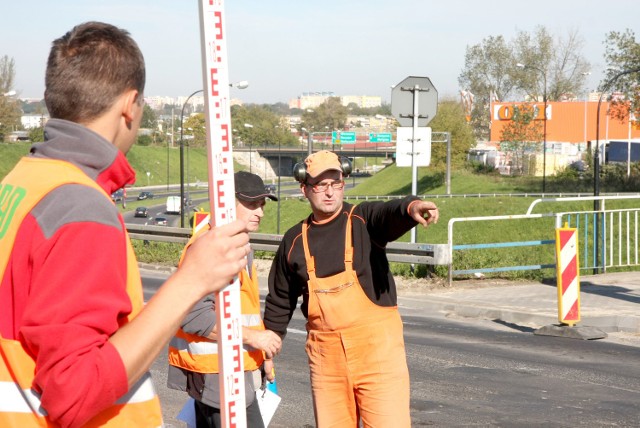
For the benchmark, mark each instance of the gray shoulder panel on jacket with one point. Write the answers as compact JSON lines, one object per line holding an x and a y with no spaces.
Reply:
{"x":72,"y":203}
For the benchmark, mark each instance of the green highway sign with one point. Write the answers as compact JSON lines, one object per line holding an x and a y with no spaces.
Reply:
{"x":384,"y":137}
{"x":343,"y":137}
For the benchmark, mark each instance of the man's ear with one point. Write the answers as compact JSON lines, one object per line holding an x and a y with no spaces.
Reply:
{"x":130,"y":103}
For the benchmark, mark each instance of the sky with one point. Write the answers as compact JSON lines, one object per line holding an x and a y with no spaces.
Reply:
{"x":287,"y":47}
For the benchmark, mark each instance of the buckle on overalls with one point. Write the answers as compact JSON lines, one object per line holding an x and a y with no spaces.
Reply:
{"x":335,"y":289}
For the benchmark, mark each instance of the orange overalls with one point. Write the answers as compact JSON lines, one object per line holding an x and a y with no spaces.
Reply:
{"x":356,"y":351}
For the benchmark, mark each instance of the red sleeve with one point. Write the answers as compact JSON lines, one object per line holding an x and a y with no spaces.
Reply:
{"x":76,"y":302}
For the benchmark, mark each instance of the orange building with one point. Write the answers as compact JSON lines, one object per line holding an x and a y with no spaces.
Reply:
{"x":568,"y":122}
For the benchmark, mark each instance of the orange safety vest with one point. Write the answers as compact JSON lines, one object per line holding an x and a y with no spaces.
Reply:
{"x":21,"y":190}
{"x":200,"y":354}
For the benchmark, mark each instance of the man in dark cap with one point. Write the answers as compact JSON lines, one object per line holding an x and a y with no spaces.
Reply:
{"x":197,"y":372}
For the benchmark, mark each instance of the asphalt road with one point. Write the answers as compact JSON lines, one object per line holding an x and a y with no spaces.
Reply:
{"x":473,"y":372}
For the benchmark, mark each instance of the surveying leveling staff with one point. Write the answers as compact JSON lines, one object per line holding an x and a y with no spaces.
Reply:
{"x":335,"y":259}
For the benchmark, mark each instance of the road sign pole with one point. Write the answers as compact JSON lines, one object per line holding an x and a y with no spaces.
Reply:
{"x":215,"y":73}
{"x":423,"y":110}
{"x":414,"y":164}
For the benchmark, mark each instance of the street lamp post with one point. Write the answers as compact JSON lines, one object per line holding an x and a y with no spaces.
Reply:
{"x":240,"y":85}
{"x":586,"y":96}
{"x":596,"y":155}
{"x":168,"y":141}
{"x":182,"y":157}
{"x":279,"y":173}
{"x":309,"y":141}
{"x":544,"y":131}
{"x":248,"y":125}
{"x":309,"y":138}
{"x":596,"y":163}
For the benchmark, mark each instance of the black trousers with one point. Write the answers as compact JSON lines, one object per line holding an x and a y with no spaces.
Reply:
{"x":209,"y":417}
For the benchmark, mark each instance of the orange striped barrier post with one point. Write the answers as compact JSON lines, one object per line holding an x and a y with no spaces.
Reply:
{"x":568,"y":285}
{"x":200,"y":220}
{"x":568,"y":276}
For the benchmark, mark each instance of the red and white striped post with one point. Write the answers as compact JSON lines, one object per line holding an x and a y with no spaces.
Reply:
{"x":568,"y":278}
{"x":215,"y":73}
{"x":200,"y":220}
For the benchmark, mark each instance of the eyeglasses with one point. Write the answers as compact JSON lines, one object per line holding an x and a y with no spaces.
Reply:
{"x":322,"y":187}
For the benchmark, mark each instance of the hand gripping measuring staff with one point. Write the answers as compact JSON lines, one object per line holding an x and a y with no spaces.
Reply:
{"x":215,"y":73}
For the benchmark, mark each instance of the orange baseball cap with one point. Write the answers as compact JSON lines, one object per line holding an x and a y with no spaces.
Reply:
{"x":322,"y":161}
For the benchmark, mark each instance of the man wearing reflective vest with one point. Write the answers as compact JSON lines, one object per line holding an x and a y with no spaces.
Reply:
{"x":76,"y":340}
{"x":193,"y":352}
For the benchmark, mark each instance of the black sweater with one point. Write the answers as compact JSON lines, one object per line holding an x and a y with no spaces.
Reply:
{"x":374,"y":225}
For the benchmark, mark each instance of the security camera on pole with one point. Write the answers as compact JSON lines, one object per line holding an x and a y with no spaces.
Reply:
{"x":414,"y":102}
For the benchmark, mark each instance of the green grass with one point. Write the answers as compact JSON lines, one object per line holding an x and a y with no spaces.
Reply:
{"x":10,"y":153}
{"x":390,"y":181}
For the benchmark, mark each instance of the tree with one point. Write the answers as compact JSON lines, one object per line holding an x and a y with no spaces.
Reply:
{"x":149,"y":118}
{"x":328,"y":116}
{"x":36,"y":134}
{"x":622,"y":53}
{"x":488,"y":75}
{"x":9,"y":107}
{"x":267,"y":128}
{"x":194,"y":130}
{"x":451,"y":118}
{"x":7,"y":74}
{"x":490,"y":71}
{"x":521,"y":135}
{"x":553,"y":67}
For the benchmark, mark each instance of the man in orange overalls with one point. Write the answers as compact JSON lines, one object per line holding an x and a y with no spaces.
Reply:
{"x":335,"y":259}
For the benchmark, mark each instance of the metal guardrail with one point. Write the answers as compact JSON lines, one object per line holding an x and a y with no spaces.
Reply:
{"x":615,"y":245}
{"x":400,"y":252}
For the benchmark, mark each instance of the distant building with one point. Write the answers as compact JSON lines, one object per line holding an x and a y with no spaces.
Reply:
{"x":362,"y":101}
{"x":571,"y":131}
{"x":30,"y":121}
{"x":567,"y":122}
{"x":314,"y":99}
{"x":158,"y":102}
{"x":196,"y":102}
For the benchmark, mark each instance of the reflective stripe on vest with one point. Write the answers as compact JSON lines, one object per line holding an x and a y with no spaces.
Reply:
{"x":199,"y":354}
{"x":21,"y":190}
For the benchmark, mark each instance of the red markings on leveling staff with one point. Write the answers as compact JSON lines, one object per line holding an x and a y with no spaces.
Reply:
{"x":218,"y":25}
{"x":225,"y":137}
{"x":222,"y":162}
{"x":213,"y":51}
{"x":220,"y":188}
{"x":226,"y":305}
{"x":237,"y":353}
{"x":214,"y":82}
{"x":231,"y":412}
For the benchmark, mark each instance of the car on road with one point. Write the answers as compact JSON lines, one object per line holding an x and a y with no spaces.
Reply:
{"x":270,"y":188}
{"x":173,"y":205}
{"x":117,"y":196}
{"x":161,"y":221}
{"x":141,"y":212}
{"x":145,"y":195}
